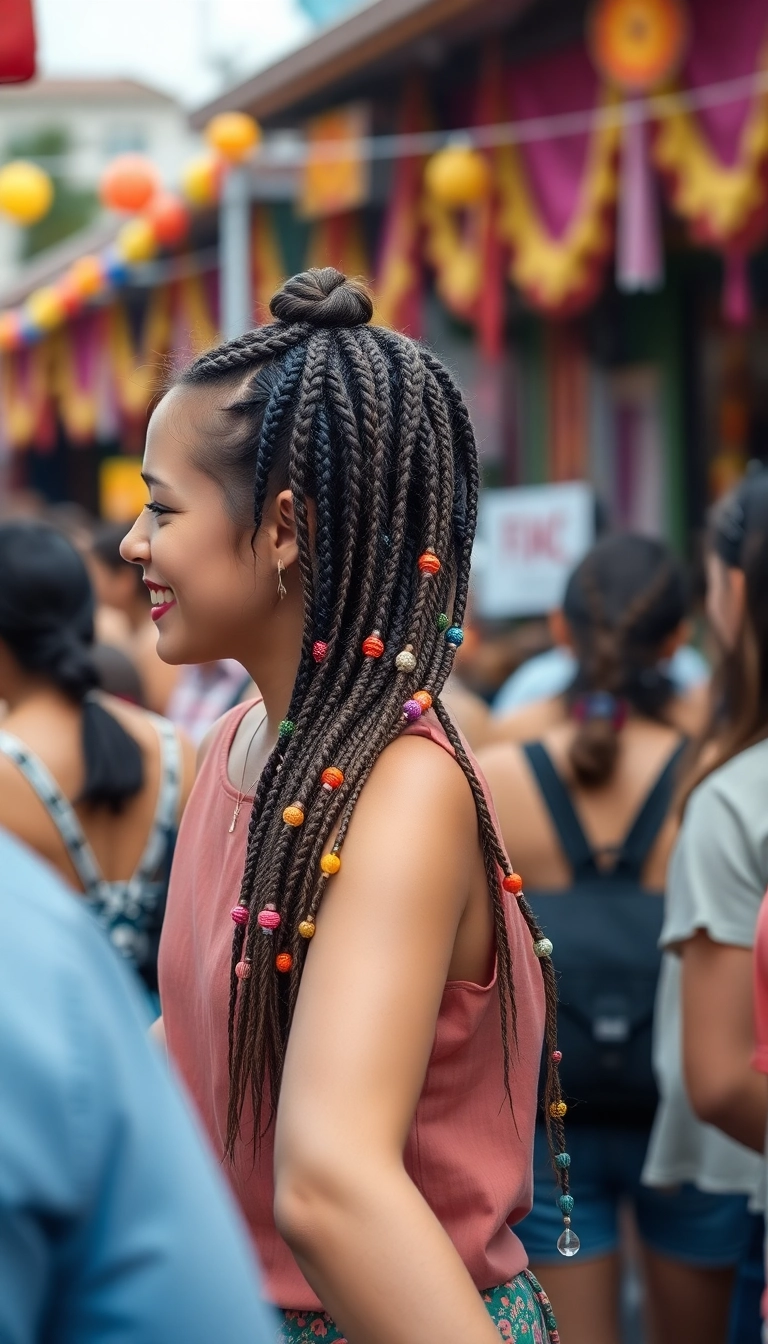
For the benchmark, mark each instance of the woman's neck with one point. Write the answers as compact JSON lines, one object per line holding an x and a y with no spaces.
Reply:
{"x":274,"y":662}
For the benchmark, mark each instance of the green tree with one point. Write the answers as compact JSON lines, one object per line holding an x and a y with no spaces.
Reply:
{"x":73,"y":207}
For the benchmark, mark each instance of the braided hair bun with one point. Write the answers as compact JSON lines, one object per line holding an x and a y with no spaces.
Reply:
{"x":323,"y":298}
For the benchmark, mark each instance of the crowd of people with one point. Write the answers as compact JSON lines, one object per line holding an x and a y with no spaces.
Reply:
{"x":357,"y":989}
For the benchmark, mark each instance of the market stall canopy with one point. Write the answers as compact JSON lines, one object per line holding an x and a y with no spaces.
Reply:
{"x":17,"y":41}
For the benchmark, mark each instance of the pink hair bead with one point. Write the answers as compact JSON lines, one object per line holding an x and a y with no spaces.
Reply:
{"x":557,"y":1055}
{"x":240,"y":914}
{"x":268,"y":920}
{"x":319,"y":650}
{"x":243,"y":970}
{"x":412,"y":710}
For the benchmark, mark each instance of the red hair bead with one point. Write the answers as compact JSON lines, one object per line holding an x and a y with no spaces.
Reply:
{"x":243,"y":970}
{"x":332,"y":778}
{"x":319,"y":650}
{"x":557,"y":1055}
{"x":268,"y":920}
{"x":239,"y":914}
{"x":428,"y":563}
{"x":284,"y":961}
{"x":373,"y":646}
{"x":424,"y":699}
{"x":512,"y":882}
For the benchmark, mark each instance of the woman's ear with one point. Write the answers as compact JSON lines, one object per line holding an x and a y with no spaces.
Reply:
{"x":277,"y":536}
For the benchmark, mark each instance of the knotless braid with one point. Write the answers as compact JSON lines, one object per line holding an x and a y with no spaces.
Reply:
{"x":376,"y":434}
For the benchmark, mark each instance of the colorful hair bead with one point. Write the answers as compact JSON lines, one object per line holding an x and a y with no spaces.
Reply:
{"x":455,"y":636}
{"x":330,"y":864}
{"x":373,"y":646}
{"x":543,"y":947}
{"x":284,"y":962}
{"x":566,"y":1205}
{"x":239,"y":914}
{"x":307,"y":928}
{"x":557,"y":1056}
{"x":294,"y":815}
{"x":512,"y":882}
{"x":287,"y":728}
{"x":268,"y":919}
{"x":424,"y":699}
{"x":332,"y":778}
{"x":412,"y":710}
{"x":406,"y":660}
{"x":428,"y":563}
{"x":563,"y":1160}
{"x":319,"y":650}
{"x":243,"y":970}
{"x":442,"y":622}
{"x":558,"y":1109}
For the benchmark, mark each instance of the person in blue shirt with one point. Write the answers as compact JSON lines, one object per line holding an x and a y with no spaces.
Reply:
{"x":115,"y":1223}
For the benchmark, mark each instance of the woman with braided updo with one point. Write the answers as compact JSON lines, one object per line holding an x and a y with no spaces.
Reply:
{"x":353,"y":991}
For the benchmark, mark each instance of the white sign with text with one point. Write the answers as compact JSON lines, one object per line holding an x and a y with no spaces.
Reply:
{"x":529,"y":540}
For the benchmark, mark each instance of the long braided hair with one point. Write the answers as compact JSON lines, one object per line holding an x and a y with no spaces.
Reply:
{"x":371,"y":427}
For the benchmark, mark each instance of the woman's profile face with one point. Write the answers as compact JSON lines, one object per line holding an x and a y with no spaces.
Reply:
{"x":211,"y":592}
{"x":725,"y":600}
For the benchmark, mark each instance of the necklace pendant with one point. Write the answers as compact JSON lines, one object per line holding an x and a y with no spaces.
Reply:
{"x":235,"y":815}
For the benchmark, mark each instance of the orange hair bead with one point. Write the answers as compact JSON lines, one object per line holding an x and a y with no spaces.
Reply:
{"x":373,"y":646}
{"x":330,"y":864}
{"x":428,"y":563}
{"x":332,"y":778}
{"x":424,"y":699}
{"x":294,"y":815}
{"x":512,"y":882}
{"x":284,"y":961}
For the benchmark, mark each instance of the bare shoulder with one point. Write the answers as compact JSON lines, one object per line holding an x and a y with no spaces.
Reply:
{"x":413,"y":771}
{"x":503,"y":764}
{"x":530,"y":723}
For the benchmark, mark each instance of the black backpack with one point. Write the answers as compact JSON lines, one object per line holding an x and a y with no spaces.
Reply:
{"x":605,"y":929}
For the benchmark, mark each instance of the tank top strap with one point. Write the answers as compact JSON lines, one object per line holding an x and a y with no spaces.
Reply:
{"x":167,"y":808}
{"x":59,"y":809}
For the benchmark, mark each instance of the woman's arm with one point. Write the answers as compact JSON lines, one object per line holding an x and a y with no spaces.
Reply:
{"x":357,"y":1056}
{"x":718,"y":1040}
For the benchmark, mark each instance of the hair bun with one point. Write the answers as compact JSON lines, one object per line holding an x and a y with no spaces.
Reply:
{"x":323,"y":298}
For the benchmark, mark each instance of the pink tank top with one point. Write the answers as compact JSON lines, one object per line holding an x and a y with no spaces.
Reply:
{"x":466,"y":1153}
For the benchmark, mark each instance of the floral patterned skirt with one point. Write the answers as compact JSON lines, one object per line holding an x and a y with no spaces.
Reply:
{"x":520,"y":1310}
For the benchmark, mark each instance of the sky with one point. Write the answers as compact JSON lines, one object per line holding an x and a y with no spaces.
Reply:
{"x":189,"y":48}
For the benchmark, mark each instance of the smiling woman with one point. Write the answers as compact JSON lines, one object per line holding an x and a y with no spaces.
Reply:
{"x":377,"y":997}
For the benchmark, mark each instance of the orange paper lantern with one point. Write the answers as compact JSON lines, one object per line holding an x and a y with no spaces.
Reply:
{"x":457,"y":177}
{"x":10,"y":332}
{"x":168,"y":217}
{"x":233,"y":135}
{"x":86,"y":277}
{"x":128,"y":183}
{"x":638,"y":44}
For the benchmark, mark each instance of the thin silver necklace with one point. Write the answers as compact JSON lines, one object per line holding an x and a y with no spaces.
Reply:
{"x":242,"y":791}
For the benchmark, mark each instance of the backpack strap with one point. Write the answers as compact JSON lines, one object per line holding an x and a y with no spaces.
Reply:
{"x":575,"y":845}
{"x":644,"y":830}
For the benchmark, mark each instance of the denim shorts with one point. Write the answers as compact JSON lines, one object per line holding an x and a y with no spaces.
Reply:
{"x":686,"y":1224}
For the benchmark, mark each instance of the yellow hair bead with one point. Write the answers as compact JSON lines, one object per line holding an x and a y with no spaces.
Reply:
{"x":330,"y":864}
{"x":307,"y":928}
{"x":557,"y":1110}
{"x":294,"y":816}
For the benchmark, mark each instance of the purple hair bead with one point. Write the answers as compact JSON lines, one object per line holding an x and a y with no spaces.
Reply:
{"x":412,"y":710}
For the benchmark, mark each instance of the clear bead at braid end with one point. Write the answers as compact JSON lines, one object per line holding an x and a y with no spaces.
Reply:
{"x":568,"y":1243}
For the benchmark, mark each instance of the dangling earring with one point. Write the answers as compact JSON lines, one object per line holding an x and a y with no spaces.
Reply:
{"x":282,"y":591}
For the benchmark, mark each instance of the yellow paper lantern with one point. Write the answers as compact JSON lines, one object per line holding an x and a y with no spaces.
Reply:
{"x":136,"y":241}
{"x":45,"y":308}
{"x":457,"y":177}
{"x":86,"y":276}
{"x":201,"y":180}
{"x":233,"y":135}
{"x":26,"y":192}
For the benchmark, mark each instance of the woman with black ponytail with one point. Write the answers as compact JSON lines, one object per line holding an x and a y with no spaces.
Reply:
{"x":92,"y":784}
{"x":353,"y":985}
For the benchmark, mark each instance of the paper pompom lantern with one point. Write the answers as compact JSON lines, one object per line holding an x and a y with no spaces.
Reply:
{"x":10,"y":331}
{"x":201,"y":181}
{"x":26,"y":192}
{"x":136,"y":241}
{"x":233,"y":135}
{"x":69,"y":296}
{"x":168,"y":218}
{"x":128,"y":183}
{"x":86,"y":276}
{"x":457,"y":177}
{"x":44,"y":309}
{"x":637,"y":44}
